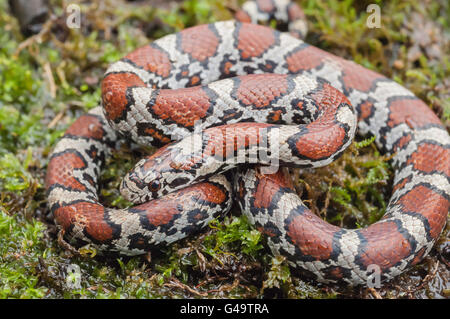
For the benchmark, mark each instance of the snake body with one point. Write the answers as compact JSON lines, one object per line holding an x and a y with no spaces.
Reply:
{"x":209,"y":82}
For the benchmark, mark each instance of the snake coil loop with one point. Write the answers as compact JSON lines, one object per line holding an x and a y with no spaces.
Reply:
{"x":257,"y":88}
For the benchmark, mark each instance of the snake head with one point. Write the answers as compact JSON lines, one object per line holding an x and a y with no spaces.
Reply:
{"x":141,"y":185}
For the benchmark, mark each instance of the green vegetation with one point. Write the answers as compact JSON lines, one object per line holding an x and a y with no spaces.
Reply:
{"x":48,"y":80}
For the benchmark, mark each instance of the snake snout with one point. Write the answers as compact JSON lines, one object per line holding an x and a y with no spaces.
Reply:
{"x":139,"y":187}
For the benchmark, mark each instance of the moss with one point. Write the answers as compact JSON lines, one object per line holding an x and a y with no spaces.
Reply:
{"x":233,"y":233}
{"x":20,"y":246}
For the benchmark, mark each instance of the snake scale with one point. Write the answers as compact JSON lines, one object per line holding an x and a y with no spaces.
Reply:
{"x":232,"y":93}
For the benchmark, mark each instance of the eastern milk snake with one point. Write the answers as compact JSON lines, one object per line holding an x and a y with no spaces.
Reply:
{"x":210,"y":75}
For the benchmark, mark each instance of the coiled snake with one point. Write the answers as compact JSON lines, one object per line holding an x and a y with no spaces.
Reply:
{"x":234,"y":92}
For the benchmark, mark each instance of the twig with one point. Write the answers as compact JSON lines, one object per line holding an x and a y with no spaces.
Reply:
{"x":56,"y":119}
{"x":374,"y":293}
{"x":175,"y":283}
{"x":35,"y":38}
{"x":65,"y":244}
{"x":51,"y":79}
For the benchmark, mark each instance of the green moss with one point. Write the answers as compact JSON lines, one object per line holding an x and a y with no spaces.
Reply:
{"x":233,"y":233}
{"x":14,"y":174}
{"x":20,"y":246}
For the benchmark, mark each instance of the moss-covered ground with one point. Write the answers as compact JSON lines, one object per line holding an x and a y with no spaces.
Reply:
{"x":48,"y":80}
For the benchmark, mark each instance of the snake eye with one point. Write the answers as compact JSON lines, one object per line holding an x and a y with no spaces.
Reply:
{"x":154,"y":186}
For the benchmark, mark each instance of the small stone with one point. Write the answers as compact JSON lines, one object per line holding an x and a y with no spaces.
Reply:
{"x":398,"y":64}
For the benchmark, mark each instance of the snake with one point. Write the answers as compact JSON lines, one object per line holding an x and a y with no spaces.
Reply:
{"x":230,"y":105}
